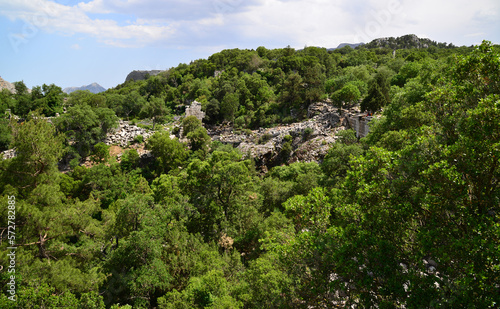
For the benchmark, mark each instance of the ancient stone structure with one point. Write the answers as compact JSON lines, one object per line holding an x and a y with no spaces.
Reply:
{"x":195,"y":110}
{"x":311,"y":139}
{"x":359,"y":123}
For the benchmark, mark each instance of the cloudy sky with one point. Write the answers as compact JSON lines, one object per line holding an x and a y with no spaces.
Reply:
{"x":75,"y":43}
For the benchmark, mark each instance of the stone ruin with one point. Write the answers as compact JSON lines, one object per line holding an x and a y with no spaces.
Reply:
{"x":311,"y":138}
{"x":359,"y":122}
{"x":195,"y":110}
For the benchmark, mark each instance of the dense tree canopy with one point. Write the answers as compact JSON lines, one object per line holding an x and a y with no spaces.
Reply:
{"x":407,"y":217}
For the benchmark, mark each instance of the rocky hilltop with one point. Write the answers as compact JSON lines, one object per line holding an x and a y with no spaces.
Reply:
{"x":141,"y":75}
{"x":404,"y":42}
{"x":94,"y":88}
{"x":6,"y":85}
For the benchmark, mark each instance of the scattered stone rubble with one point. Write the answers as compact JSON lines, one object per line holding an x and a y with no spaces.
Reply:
{"x":125,"y":134}
{"x":311,"y":139}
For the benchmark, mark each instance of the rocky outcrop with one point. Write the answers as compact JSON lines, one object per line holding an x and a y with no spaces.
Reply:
{"x":404,"y":42}
{"x":6,"y":85}
{"x":141,"y":75}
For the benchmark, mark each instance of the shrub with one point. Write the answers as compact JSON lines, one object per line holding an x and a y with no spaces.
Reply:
{"x":74,"y":162}
{"x":286,"y":148}
{"x":308,"y":132}
{"x":130,"y":159}
{"x":101,"y":153}
{"x":139,"y":139}
{"x":265,"y":138}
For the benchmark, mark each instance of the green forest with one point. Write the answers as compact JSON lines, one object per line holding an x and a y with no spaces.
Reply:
{"x":406,"y":217}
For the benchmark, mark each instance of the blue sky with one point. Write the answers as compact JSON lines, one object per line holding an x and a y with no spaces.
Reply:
{"x":75,"y":43}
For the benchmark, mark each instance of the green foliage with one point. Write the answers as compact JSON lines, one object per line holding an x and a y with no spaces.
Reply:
{"x":169,"y":153}
{"x":199,"y":140}
{"x":349,"y":94}
{"x":311,"y":212}
{"x":190,"y":124}
{"x":47,"y":100}
{"x":130,"y":159}
{"x":5,"y":134}
{"x":308,"y":132}
{"x":378,"y":91}
{"x":229,"y":106}
{"x":86,"y":126}
{"x":155,"y":109}
{"x":38,"y":150}
{"x":139,"y":139}
{"x":286,"y":147}
{"x":264,"y":138}
{"x":406,"y":217}
{"x":407,"y":71}
{"x":100,"y":153}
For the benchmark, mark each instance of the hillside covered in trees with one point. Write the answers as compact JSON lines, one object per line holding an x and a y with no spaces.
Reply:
{"x":408,"y":216}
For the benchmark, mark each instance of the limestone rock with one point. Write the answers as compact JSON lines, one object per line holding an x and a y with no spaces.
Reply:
{"x":8,"y":154}
{"x":6,"y":85}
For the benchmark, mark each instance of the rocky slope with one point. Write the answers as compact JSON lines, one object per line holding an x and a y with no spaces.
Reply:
{"x":6,"y":85}
{"x":304,"y":141}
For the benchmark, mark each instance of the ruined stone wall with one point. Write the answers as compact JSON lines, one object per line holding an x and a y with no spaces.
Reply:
{"x":359,"y":123}
{"x":195,"y":110}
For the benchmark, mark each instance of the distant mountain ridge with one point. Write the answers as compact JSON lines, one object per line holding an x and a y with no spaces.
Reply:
{"x":352,"y":45}
{"x":94,"y":88}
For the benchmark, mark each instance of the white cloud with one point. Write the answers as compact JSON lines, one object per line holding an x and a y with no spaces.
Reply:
{"x":95,"y":6}
{"x":75,"y":47}
{"x":201,"y":23}
{"x":327,"y":23}
{"x":53,"y":17}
